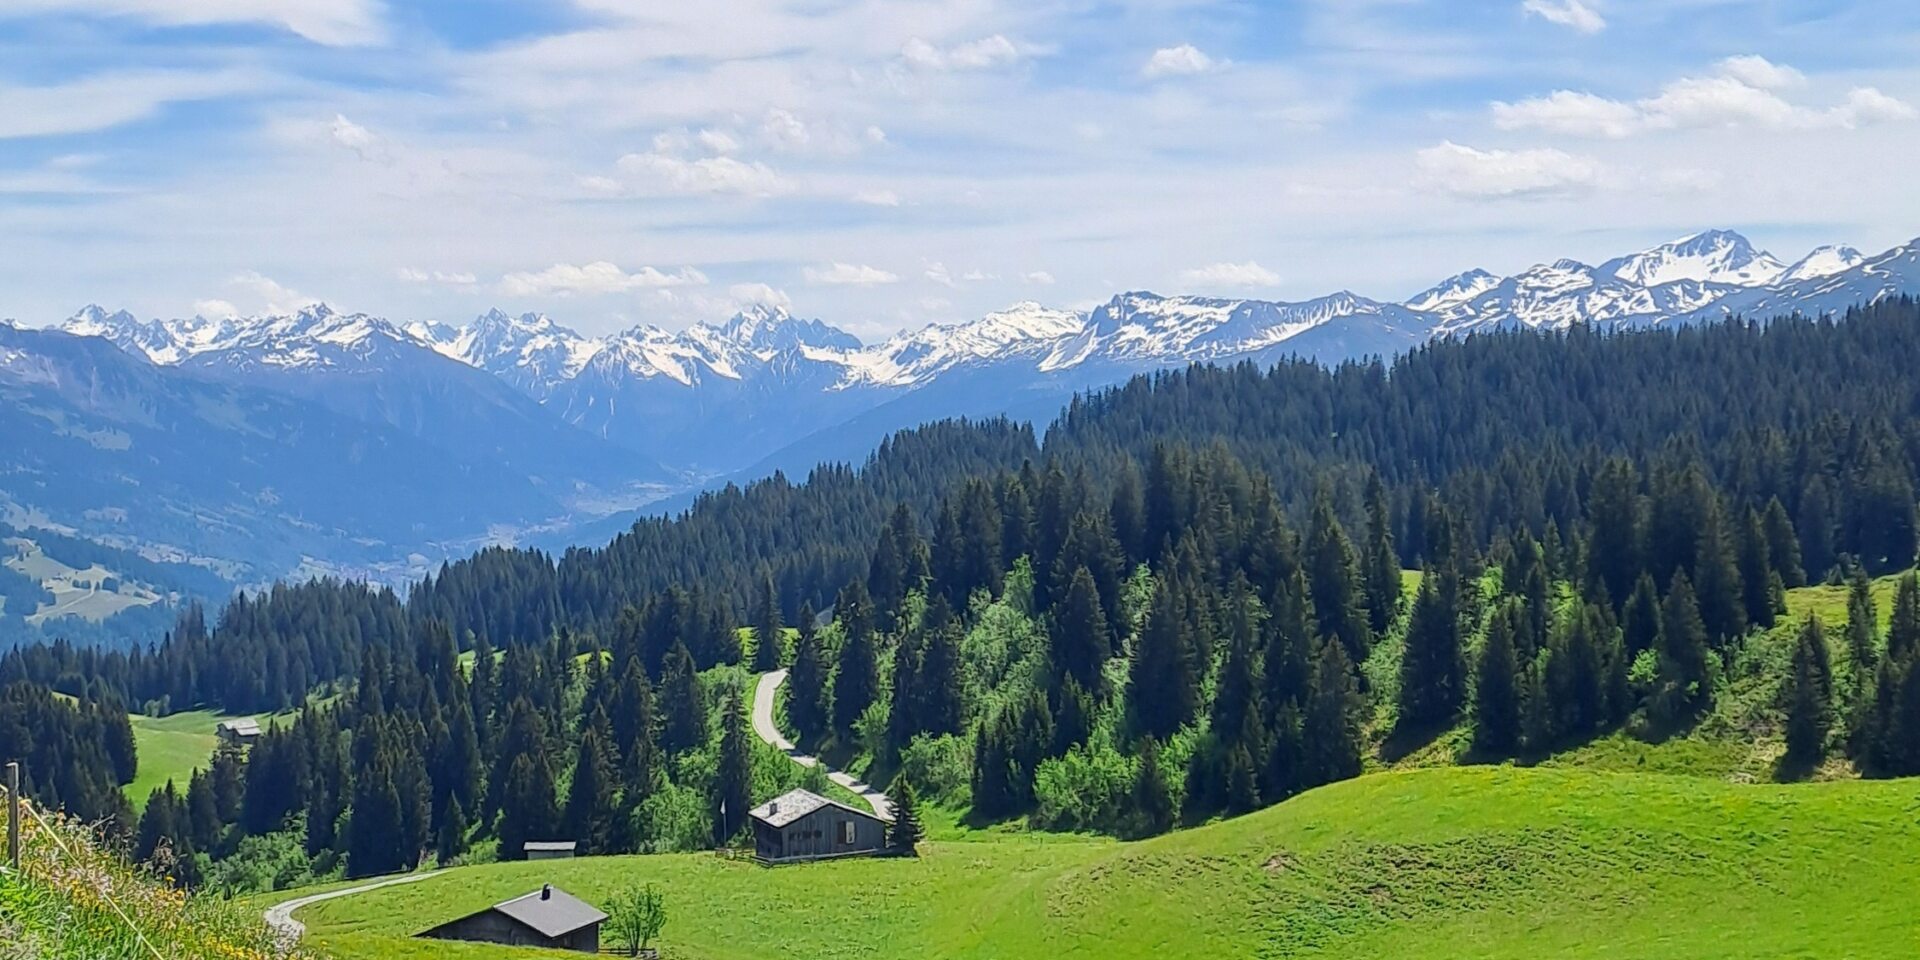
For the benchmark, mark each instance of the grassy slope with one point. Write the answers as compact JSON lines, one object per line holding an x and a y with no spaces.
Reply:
{"x":170,"y":748}
{"x":1472,"y":862}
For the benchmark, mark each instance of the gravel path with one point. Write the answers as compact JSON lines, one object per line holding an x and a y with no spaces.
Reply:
{"x":280,"y":915}
{"x":763,"y":727}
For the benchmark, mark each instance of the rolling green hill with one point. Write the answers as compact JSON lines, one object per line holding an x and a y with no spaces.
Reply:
{"x":1469,"y":862}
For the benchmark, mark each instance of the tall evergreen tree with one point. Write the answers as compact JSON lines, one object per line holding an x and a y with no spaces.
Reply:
{"x":1684,"y":681}
{"x":733,"y":781}
{"x":768,"y":634}
{"x":1331,"y":722}
{"x":1716,"y":579}
{"x":1382,"y":561}
{"x":904,"y":833}
{"x":1614,"y":548}
{"x":856,"y":680}
{"x":1809,"y":696}
{"x":683,"y":711}
{"x":1163,"y":682}
{"x":1079,"y":632}
{"x":1153,"y":804}
{"x":529,"y":809}
{"x":1496,"y":689}
{"x":1334,"y":574}
{"x":1433,"y":680}
{"x":590,"y":812}
{"x":807,"y":694}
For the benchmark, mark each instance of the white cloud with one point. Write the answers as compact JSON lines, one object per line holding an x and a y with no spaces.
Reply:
{"x":1183,"y":60}
{"x":599,"y":277}
{"x":1574,"y":14}
{"x":1564,"y":111}
{"x":1249,"y":274}
{"x":277,"y":297}
{"x":748,"y":294}
{"x":719,"y":141}
{"x":877,"y":198}
{"x":357,"y":138}
{"x":330,"y":22}
{"x":1757,"y":71}
{"x":1742,"y":92}
{"x":107,"y":100}
{"x":1494,"y":174}
{"x":938,"y":273}
{"x":1041,"y":277}
{"x":784,"y":130}
{"x":707,"y":174}
{"x":983,"y":54}
{"x":215,"y":309}
{"x":1867,"y":105}
{"x":849,"y":274}
{"x":454,"y":279}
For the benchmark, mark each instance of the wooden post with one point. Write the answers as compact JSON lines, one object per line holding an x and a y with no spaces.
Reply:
{"x":13,"y":814}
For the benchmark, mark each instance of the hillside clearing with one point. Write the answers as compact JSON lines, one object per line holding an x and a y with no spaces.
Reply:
{"x":1472,"y":862}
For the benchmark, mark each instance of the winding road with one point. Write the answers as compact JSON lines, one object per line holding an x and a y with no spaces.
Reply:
{"x":764,"y":728}
{"x":280,"y":916}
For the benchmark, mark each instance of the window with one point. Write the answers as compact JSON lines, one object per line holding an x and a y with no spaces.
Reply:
{"x":846,"y":831}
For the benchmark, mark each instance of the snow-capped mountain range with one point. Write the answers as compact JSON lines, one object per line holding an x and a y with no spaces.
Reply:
{"x":510,"y":425}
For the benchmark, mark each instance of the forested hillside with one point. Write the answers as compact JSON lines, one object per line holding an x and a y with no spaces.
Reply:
{"x":1189,"y":601}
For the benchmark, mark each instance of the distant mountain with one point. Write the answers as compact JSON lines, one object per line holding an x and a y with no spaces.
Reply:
{"x":596,"y":426}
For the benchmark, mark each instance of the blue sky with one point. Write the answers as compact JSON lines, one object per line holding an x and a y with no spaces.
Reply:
{"x":889,"y":164}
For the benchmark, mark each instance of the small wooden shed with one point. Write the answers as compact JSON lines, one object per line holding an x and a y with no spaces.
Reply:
{"x":548,"y":917}
{"x":799,"y":826}
{"x":550,"y":849}
{"x":238,"y":732}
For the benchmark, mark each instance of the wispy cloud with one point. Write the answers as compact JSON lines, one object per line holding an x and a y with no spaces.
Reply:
{"x":1248,"y":274}
{"x":1501,"y":174}
{"x":850,"y":275}
{"x":1573,"y":14}
{"x":330,"y":22}
{"x":598,"y":277}
{"x":1183,"y":60}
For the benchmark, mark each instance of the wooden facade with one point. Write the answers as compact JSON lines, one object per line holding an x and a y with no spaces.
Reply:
{"x":801,"y":826}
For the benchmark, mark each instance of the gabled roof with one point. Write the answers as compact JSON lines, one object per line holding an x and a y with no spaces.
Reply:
{"x":242,"y":725}
{"x":794,"y":804}
{"x":552,"y":911}
{"x":550,"y":845}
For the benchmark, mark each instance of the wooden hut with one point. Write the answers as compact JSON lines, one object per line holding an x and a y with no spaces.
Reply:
{"x":548,"y":917}
{"x":799,"y":826}
{"x":550,"y":849}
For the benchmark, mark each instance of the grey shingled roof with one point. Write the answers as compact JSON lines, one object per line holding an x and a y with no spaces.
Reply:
{"x":242,"y":725}
{"x":556,"y":916}
{"x":549,"y":845}
{"x":794,"y":804}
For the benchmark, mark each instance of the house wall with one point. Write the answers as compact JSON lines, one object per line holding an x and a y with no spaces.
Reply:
{"x":820,"y":834}
{"x":494,"y":927}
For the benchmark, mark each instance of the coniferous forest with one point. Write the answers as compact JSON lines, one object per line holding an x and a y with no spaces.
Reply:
{"x":1205,"y":592}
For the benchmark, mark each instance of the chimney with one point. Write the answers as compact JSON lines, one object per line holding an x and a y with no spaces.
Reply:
{"x":546,"y":891}
{"x":773,"y":808}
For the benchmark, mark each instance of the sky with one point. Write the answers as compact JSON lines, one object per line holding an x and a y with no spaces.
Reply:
{"x":884,"y":165}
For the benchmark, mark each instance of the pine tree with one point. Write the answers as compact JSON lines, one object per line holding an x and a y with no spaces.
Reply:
{"x":733,"y":781}
{"x":1079,"y":632}
{"x":856,"y":680}
{"x":1614,"y":548}
{"x":1640,"y":621}
{"x":451,"y":841}
{"x":1783,"y":546}
{"x":1496,"y":713}
{"x":374,"y":843}
{"x":635,"y":724}
{"x":1684,"y":681}
{"x":1331,"y":723}
{"x":767,"y":631}
{"x":1903,"y":626}
{"x":589,"y":817}
{"x":904,"y":833}
{"x":1863,"y":630}
{"x":1717,"y":581}
{"x":1334,"y":574}
{"x":1152,"y":796}
{"x":1164,"y":687}
{"x":1756,"y":571}
{"x":807,"y":694}
{"x":1433,"y":665}
{"x":1809,"y":697}
{"x":529,"y":810}
{"x":1383,"y":562}
{"x":683,"y":712}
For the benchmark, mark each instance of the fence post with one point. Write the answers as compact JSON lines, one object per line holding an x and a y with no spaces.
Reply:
{"x":13,"y":814}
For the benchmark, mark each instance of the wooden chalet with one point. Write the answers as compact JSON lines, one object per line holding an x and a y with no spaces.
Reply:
{"x":799,"y":826}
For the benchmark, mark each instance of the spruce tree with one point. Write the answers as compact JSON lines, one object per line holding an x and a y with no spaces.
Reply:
{"x":1496,"y":712}
{"x":1783,"y":546}
{"x":856,"y":680}
{"x":1382,"y":561}
{"x":767,"y":631}
{"x":1614,"y":548}
{"x":683,"y":712}
{"x":1331,"y":722}
{"x":635,"y":723}
{"x":451,"y":841}
{"x":1640,"y":621}
{"x":904,"y":833}
{"x":1717,"y":581}
{"x":1684,"y":681}
{"x":733,"y":781}
{"x":1862,"y":631}
{"x":1809,"y":697}
{"x":1079,"y":632}
{"x":529,"y":810}
{"x":1334,"y":574}
{"x":1756,"y":571}
{"x":590,"y":812}
{"x":1433,"y":665}
{"x":1163,"y":685}
{"x":807,"y":694}
{"x":1153,"y":805}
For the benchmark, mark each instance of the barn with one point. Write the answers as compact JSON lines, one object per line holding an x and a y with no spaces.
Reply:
{"x":548,"y":917}
{"x":799,"y":826}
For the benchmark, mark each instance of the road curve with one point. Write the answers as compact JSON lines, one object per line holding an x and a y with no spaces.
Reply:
{"x":764,"y":728}
{"x":280,"y":915}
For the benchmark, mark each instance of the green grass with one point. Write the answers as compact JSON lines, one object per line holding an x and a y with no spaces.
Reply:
{"x":1469,"y":862}
{"x":170,"y":748}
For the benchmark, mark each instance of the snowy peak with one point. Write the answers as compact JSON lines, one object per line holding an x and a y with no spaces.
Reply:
{"x":1454,"y":290}
{"x":1716,"y":256}
{"x":765,"y":328}
{"x":1823,"y":262}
